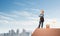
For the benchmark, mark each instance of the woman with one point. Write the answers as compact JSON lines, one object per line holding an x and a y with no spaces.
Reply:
{"x":41,"y":19}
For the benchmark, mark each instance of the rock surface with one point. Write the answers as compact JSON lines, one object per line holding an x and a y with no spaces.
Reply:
{"x":46,"y":32}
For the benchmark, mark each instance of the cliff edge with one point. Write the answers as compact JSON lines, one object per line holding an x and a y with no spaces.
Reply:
{"x":46,"y":32}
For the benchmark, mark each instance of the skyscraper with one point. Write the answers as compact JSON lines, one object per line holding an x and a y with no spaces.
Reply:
{"x":24,"y":33}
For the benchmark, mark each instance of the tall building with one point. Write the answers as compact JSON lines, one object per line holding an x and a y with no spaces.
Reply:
{"x":12,"y":33}
{"x":2,"y":34}
{"x":17,"y":32}
{"x":24,"y":33}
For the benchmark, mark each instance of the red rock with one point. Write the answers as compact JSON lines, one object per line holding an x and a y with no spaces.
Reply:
{"x":46,"y":32}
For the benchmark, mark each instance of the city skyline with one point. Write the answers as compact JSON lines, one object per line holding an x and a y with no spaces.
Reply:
{"x":16,"y":33}
{"x":19,"y":14}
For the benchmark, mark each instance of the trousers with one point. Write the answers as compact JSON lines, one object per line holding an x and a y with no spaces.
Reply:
{"x":40,"y":24}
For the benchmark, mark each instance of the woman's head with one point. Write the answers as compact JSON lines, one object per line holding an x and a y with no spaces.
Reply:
{"x":42,"y":11}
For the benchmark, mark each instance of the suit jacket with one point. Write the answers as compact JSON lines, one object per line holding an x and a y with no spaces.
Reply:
{"x":41,"y":17}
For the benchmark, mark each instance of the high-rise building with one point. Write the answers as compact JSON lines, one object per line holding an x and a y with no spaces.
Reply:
{"x":24,"y":33}
{"x":17,"y":31}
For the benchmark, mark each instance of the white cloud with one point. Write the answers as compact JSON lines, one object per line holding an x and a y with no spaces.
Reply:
{"x":33,"y":9}
{"x":14,"y":23}
{"x":36,"y":9}
{"x":31,"y":23}
{"x":26,"y":14}
{"x":5,"y":17}
{"x":4,"y":22}
{"x":54,"y":22}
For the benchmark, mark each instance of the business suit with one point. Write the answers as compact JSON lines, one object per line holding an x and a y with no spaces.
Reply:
{"x":41,"y":20}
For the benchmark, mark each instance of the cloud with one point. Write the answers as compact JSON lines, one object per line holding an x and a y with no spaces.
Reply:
{"x":53,"y":22}
{"x":4,"y":21}
{"x":8,"y":15}
{"x":26,"y":14}
{"x":14,"y":23}
{"x":5,"y":18}
{"x":32,"y":9}
{"x":23,"y":13}
{"x":14,"y":20}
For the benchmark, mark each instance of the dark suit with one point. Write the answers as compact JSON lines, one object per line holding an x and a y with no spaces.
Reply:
{"x":41,"y":21}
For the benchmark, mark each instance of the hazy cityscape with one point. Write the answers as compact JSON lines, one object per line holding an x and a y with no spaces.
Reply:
{"x":13,"y":33}
{"x":22,"y":17}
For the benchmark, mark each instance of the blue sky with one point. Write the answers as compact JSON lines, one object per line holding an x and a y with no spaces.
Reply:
{"x":19,"y":14}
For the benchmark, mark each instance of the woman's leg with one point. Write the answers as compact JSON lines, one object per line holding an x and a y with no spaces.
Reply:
{"x":39,"y":24}
{"x":42,"y":25}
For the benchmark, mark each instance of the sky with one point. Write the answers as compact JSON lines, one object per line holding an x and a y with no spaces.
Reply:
{"x":24,"y":14}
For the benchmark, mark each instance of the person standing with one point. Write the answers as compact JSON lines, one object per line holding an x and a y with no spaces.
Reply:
{"x":41,"y":21}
